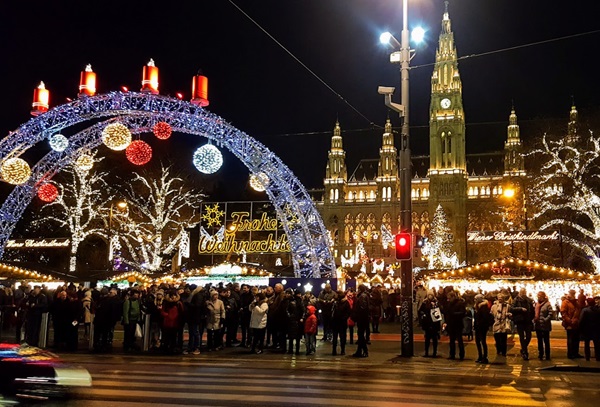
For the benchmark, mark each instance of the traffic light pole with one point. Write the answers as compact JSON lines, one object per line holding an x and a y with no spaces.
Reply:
{"x":406,"y":275}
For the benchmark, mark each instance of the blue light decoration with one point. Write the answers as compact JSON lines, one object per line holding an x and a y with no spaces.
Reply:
{"x":139,"y":112}
{"x":208,"y":159}
{"x":58,"y":142}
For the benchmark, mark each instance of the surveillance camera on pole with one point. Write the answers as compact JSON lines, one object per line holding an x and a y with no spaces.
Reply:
{"x":387,"y":92}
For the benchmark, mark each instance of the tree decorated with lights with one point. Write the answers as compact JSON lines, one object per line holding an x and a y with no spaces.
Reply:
{"x":438,"y":248}
{"x":76,"y":205}
{"x":160,"y":210}
{"x":566,"y":194}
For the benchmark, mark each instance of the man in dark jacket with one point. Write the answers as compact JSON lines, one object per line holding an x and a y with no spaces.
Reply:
{"x":246,"y":299}
{"x":522,"y":310}
{"x":454,"y":312}
{"x":196,"y":316}
{"x":589,"y":327}
{"x":339,"y":322}
{"x":35,"y":305}
{"x":360,"y":315}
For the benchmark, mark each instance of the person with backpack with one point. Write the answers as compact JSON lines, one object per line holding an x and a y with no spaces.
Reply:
{"x":522,"y":310}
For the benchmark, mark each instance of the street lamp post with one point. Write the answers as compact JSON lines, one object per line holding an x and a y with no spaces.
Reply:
{"x":406,"y":293}
{"x":510,"y":193}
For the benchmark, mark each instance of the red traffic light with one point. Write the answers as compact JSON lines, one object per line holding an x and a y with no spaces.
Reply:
{"x":403,"y":246}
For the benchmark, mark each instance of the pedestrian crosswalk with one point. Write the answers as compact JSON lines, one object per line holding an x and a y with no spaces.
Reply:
{"x":259,"y":384}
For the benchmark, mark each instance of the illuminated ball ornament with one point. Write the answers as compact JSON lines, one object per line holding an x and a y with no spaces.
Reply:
{"x":58,"y":142}
{"x":259,"y":182}
{"x":15,"y":171}
{"x":208,"y":159}
{"x":47,"y":192}
{"x":116,"y":136}
{"x":162,"y":130}
{"x":139,"y":152}
{"x":85,"y":162}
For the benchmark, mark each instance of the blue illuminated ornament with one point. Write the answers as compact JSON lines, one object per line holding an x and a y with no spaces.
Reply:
{"x":58,"y":142}
{"x":208,"y":159}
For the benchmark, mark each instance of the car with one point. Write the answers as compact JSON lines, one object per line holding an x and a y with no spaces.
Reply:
{"x":35,"y":373}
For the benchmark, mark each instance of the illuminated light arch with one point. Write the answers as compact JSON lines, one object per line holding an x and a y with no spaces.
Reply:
{"x":296,"y":211}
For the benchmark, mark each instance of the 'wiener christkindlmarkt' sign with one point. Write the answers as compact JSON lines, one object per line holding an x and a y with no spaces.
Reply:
{"x":241,"y":228}
{"x":37,"y":243}
{"x":511,"y":236}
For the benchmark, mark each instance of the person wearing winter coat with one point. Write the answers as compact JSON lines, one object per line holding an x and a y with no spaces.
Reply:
{"x":375,"y":303}
{"x":171,"y":312}
{"x":310,"y":330}
{"x":360,"y":315}
{"x":522,"y":311}
{"x":215,"y":317}
{"x":542,"y":323}
{"x":589,"y":327}
{"x":196,"y":317}
{"x":454,"y":312}
{"x":501,"y":313}
{"x":132,"y":315}
{"x":246,"y":298}
{"x":339,"y":322}
{"x":430,"y":327}
{"x":482,"y":322}
{"x":350,"y":298}
{"x":259,"y":309}
{"x":87,"y":304}
{"x":570,"y":311}
{"x":295,"y":317}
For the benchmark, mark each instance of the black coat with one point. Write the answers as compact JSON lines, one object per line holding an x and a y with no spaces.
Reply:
{"x":295,"y":315}
{"x":454,"y":313}
{"x":425,"y":320}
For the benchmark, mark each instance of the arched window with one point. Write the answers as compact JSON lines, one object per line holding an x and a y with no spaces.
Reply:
{"x":389,"y":193}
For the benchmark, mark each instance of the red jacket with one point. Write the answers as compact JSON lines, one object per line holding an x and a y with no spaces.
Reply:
{"x":310,"y":325}
{"x":569,"y":312}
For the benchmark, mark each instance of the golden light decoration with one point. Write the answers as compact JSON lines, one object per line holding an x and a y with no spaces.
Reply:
{"x":47,"y":192}
{"x":259,"y":182}
{"x":139,"y":152}
{"x":15,"y":171}
{"x":116,"y":136}
{"x":162,"y":130}
{"x":85,"y":162}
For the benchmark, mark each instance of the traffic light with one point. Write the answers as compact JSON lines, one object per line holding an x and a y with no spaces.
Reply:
{"x":403,"y":246}
{"x":419,"y":241}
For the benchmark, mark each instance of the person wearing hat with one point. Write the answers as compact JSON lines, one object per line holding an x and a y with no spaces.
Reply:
{"x":481,"y":324}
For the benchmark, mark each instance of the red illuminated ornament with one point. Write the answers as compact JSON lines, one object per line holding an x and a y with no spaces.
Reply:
{"x":139,"y":152}
{"x":162,"y":130}
{"x":47,"y":193}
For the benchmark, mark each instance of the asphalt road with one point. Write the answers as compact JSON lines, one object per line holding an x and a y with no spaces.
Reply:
{"x":234,"y":377}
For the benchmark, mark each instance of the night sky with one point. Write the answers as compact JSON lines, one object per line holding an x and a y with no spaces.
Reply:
{"x":259,"y":88}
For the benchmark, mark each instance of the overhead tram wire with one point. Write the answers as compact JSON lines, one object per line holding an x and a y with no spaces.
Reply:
{"x":371,"y":122}
{"x":513,"y":48}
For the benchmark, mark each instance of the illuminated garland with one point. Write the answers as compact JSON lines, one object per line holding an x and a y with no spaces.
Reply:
{"x":139,"y":152}
{"x":58,"y":142}
{"x":47,"y":192}
{"x":15,"y":171}
{"x":162,"y":130}
{"x":116,"y":136}
{"x":23,"y":273}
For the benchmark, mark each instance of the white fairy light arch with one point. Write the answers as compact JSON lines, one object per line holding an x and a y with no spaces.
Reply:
{"x":307,"y":235}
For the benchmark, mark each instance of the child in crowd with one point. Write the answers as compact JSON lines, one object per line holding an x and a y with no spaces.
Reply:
{"x":310,"y":330}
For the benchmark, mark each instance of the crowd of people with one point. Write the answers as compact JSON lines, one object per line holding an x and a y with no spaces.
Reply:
{"x":505,"y":312}
{"x":280,"y":320}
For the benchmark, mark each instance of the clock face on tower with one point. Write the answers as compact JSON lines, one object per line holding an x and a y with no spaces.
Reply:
{"x":445,"y":103}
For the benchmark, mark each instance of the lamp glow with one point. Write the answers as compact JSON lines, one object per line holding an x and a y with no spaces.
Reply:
{"x":385,"y":37}
{"x":417,"y":35}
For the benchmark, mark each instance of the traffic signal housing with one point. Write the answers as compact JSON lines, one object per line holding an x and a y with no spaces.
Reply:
{"x":403,"y":246}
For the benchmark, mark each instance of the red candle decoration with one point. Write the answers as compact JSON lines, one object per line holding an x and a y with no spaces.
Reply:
{"x":200,"y":90}
{"x":47,"y":192}
{"x":41,"y":100}
{"x":139,"y":152}
{"x":87,"y":82}
{"x":150,"y":78}
{"x":162,"y":130}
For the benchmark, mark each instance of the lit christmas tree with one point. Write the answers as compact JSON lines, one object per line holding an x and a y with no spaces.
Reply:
{"x":76,"y":207}
{"x":161,"y":209}
{"x":566,"y":193}
{"x":438,"y":248}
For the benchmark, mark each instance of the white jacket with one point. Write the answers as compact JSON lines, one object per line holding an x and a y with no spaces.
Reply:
{"x":258,"y":319}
